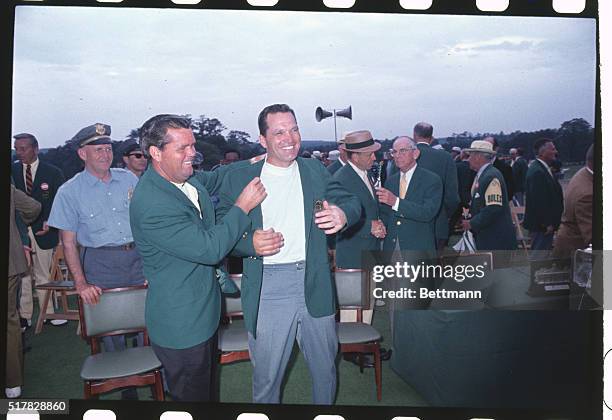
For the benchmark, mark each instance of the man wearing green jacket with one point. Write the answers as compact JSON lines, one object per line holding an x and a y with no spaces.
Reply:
{"x":173,"y":223}
{"x":287,"y":290}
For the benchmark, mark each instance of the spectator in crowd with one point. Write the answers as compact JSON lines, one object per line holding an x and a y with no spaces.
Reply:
{"x":440,"y":163}
{"x":316,"y":154}
{"x":387,"y":167}
{"x":465,"y":179}
{"x":29,"y":209}
{"x":456,"y":153}
{"x":231,"y":156}
{"x":133,"y":158}
{"x":544,"y":198}
{"x":490,"y":221}
{"x":576,"y":229}
{"x":40,"y":180}
{"x":410,"y":201}
{"x":502,"y":167}
{"x":91,"y":210}
{"x":342,"y":159}
{"x":286,"y":267}
{"x":173,"y":221}
{"x":411,"y":198}
{"x":365,"y":235}
{"x":519,"y":172}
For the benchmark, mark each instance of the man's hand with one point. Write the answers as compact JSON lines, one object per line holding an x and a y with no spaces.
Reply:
{"x":386,"y":197}
{"x":89,"y":293}
{"x":250,"y":197}
{"x":549,"y":230}
{"x":378,"y":229}
{"x":267,"y":242}
{"x":44,"y":230}
{"x":466,"y":225}
{"x":331,"y":219}
{"x":28,"y":255}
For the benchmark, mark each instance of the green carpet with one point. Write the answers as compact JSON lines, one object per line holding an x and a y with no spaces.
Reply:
{"x":53,"y":364}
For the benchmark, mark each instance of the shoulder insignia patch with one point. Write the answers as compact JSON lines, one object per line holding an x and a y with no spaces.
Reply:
{"x":493,"y":194}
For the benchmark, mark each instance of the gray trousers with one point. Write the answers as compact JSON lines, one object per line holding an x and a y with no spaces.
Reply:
{"x":282,"y":318}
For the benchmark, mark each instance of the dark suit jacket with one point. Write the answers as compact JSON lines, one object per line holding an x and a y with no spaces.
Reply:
{"x":45,"y":185}
{"x":413,"y":224}
{"x":465,"y":178}
{"x":506,"y":171}
{"x":519,"y":172}
{"x":491,"y":224}
{"x":441,"y":163}
{"x":357,"y":238}
{"x":334,"y":166}
{"x":543,"y":199}
{"x":317,"y":184}
{"x":180,"y":252}
{"x":28,"y":209}
{"x":576,"y":229}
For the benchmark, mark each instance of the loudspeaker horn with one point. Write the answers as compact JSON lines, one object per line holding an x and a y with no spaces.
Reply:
{"x":321,"y":114}
{"x":346,"y":113}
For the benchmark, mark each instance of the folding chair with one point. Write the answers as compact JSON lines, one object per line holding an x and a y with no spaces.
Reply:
{"x":353,"y":291}
{"x":58,"y":283}
{"x":119,"y":311}
{"x":233,"y":342}
{"x":521,"y":238}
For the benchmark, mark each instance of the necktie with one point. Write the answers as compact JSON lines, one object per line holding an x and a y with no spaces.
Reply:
{"x":29,"y":182}
{"x":474,"y":186}
{"x":403,"y":186}
{"x":364,"y":177}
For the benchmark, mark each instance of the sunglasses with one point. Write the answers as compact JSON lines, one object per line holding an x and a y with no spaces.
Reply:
{"x":137,"y":155}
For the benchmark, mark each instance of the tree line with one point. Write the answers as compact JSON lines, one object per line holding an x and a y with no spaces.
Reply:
{"x":572,"y":140}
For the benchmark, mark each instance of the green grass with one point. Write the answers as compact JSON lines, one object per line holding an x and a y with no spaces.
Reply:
{"x":53,"y":364}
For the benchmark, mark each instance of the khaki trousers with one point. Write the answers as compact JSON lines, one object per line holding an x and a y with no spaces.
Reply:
{"x":40,"y":270}
{"x":14,"y":354}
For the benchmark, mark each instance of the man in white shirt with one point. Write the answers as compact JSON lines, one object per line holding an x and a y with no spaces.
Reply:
{"x":287,"y":291}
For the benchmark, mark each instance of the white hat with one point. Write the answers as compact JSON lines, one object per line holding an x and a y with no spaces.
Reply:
{"x":456,"y":149}
{"x":438,"y":146}
{"x":333,"y":155}
{"x":316,"y":153}
{"x":481,"y":146}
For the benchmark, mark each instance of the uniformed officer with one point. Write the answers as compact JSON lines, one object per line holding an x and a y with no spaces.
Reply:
{"x":91,"y":210}
{"x":491,"y":222}
{"x":133,"y":158}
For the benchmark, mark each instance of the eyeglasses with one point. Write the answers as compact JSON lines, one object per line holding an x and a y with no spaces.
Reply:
{"x":394,"y":152}
{"x":137,"y":155}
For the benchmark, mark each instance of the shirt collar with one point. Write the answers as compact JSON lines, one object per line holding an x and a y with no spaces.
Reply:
{"x":481,"y":170}
{"x":33,"y":165}
{"x":589,"y":169}
{"x":360,"y":172}
{"x":409,"y":172}
{"x":545,"y":165}
{"x":92,"y":180}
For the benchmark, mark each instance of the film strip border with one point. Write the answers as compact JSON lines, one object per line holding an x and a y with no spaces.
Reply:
{"x":127,"y":410}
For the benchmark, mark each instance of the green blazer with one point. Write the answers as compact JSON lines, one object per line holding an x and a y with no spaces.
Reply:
{"x":440,"y":163}
{"x":317,"y":184}
{"x":543,"y":199}
{"x":180,"y":251}
{"x":357,"y":238}
{"x":492,"y":223}
{"x":413,"y":224}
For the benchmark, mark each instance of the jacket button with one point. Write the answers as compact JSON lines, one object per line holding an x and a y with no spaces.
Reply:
{"x":244,"y":235}
{"x":399,"y":222}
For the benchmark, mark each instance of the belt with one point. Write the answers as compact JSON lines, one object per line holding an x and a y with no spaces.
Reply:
{"x":124,"y":247}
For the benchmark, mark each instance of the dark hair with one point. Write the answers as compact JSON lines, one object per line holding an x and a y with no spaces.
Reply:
{"x":520,"y":151}
{"x":495,"y":143}
{"x":33,"y":141}
{"x":153,"y":131}
{"x":271,"y":109}
{"x":232,"y":151}
{"x":539,"y":143}
{"x":423,"y":130}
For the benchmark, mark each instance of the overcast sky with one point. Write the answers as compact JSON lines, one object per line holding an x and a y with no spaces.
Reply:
{"x":77,"y":66}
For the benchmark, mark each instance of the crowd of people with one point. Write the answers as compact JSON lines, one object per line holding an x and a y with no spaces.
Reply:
{"x":290,"y":219}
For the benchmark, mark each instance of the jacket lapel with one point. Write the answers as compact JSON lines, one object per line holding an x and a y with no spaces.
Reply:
{"x":18,"y":176}
{"x":309,"y":198}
